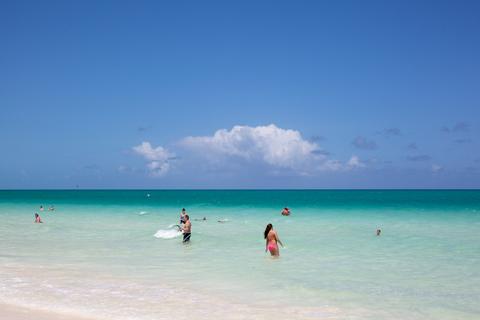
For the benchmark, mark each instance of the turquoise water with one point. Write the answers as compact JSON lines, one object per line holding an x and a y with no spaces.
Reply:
{"x":97,"y":255}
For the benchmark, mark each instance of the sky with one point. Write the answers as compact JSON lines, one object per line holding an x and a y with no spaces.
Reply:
{"x":239,"y":94}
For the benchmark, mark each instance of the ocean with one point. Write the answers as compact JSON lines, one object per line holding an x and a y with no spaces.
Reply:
{"x":116,"y":254}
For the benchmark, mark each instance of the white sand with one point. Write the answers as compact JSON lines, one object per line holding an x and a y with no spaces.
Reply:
{"x":10,"y":312}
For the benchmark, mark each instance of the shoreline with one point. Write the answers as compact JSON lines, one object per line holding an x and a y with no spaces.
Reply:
{"x":16,"y":312}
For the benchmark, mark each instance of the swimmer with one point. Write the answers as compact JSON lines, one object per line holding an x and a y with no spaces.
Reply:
{"x":222,"y":220}
{"x":41,"y":208}
{"x":37,"y":218}
{"x":187,"y":229}
{"x":271,"y":241}
{"x":204,"y":219}
{"x":379,"y":232}
{"x":285,"y":212}
{"x":182,"y":216}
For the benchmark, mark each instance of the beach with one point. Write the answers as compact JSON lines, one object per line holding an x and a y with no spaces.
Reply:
{"x":117,"y":255}
{"x":23,"y":313}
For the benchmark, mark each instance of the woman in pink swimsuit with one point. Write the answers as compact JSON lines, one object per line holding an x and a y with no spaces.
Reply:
{"x":271,"y":241}
{"x":37,"y":218}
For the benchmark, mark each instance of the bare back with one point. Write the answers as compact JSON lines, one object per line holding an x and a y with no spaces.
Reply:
{"x":272,"y":236}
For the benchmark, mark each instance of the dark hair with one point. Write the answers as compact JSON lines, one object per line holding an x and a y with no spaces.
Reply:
{"x":186,"y":216}
{"x":267,"y":230}
{"x":183,"y":209}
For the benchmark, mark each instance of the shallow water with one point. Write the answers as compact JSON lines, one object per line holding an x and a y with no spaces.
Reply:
{"x":116,"y":254}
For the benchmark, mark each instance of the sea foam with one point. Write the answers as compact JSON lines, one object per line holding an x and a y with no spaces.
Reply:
{"x":168,"y":233}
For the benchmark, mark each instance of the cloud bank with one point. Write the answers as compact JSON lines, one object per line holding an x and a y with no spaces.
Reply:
{"x":282,"y":150}
{"x":271,"y":145}
{"x":275,"y":146}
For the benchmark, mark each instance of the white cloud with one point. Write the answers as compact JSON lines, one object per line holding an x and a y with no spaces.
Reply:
{"x":354,"y":162}
{"x":157,"y":158}
{"x":274,"y":146}
{"x":436,"y":168}
{"x":274,"y":149}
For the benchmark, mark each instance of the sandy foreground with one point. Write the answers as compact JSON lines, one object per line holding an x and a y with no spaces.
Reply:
{"x":11,"y":312}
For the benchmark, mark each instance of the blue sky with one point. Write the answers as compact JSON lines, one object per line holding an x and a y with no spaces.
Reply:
{"x":260,"y":94}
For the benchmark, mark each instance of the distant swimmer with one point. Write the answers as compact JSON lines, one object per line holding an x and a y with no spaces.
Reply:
{"x":187,"y":229}
{"x":41,"y":208}
{"x":222,"y":220}
{"x":51,"y":208}
{"x":379,"y":232}
{"x":182,"y":216}
{"x":204,"y":219}
{"x":285,"y":212}
{"x":37,"y":218}
{"x":271,"y":241}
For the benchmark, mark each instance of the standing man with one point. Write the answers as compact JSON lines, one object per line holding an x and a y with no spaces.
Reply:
{"x":187,"y":229}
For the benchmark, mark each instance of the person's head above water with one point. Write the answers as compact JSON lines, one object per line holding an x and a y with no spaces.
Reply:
{"x":267,"y":230}
{"x":183,"y":210}
{"x":187,"y":217}
{"x":36,"y":214}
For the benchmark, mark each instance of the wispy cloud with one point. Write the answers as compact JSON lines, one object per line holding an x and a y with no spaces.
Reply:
{"x":361,"y":142}
{"x":462,"y":141}
{"x":457,"y":127}
{"x":421,"y":157}
{"x":321,"y":152}
{"x":390,"y":132}
{"x":412,"y":146}
{"x":355,"y":162}
{"x":143,"y":128}
{"x":124,"y":169}
{"x":91,"y":167}
{"x":157,"y":158}
{"x":317,"y":138}
{"x":436,"y":168}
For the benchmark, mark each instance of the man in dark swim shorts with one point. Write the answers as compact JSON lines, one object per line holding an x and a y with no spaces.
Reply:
{"x":187,"y":229}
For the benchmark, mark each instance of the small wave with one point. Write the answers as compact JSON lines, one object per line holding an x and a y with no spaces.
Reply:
{"x":141,"y":213}
{"x":167,"y":234}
